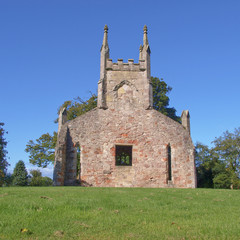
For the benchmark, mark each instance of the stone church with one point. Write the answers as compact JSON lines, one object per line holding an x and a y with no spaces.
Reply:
{"x":124,"y":142}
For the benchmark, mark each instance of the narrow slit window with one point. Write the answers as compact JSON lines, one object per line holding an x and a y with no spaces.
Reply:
{"x":123,"y":155}
{"x":78,"y":169}
{"x":169,"y":163}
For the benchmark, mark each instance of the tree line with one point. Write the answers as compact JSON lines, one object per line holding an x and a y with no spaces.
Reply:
{"x":217,"y":167}
{"x":20,"y":177}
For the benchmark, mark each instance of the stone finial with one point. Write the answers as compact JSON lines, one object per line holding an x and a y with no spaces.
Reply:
{"x":145,"y":29}
{"x":185,"y":117}
{"x":106,"y":28}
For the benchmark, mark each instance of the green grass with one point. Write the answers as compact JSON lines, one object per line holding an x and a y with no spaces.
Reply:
{"x":118,"y":213}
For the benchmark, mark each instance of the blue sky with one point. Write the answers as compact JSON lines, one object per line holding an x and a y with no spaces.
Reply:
{"x":50,"y":53}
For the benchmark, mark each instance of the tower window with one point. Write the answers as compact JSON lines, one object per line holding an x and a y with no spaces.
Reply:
{"x":123,"y":155}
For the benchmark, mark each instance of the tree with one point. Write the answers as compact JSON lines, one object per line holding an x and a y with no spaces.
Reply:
{"x":227,"y":147}
{"x":161,"y":100}
{"x":46,"y":181}
{"x":208,"y":166}
{"x":219,"y":166}
{"x":222,"y":180}
{"x":8,"y":180}
{"x":42,"y":151}
{"x":20,"y":174}
{"x":3,"y":153}
{"x":78,"y":106}
{"x":203,"y":161}
{"x":37,"y":179}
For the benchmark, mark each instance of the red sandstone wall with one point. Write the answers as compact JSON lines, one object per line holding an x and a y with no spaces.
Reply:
{"x":149,"y":132}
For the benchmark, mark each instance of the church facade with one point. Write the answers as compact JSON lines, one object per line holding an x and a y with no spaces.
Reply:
{"x":124,"y":142}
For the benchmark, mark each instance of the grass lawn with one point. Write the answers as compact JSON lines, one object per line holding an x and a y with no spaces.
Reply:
{"x":118,"y":213}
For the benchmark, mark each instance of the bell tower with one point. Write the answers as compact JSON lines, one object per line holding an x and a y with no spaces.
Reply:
{"x":125,"y":84}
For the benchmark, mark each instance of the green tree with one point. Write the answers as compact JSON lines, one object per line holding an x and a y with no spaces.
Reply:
{"x":161,"y":100}
{"x":42,"y":151}
{"x":204,"y":165}
{"x":20,"y":174}
{"x":8,"y":180}
{"x":37,"y":179}
{"x":219,"y":166}
{"x":46,"y":181}
{"x":222,"y":180}
{"x":78,"y":106}
{"x":208,"y":166}
{"x":227,"y":147}
{"x":3,"y":152}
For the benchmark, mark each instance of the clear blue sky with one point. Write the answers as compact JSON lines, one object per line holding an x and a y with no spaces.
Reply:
{"x":50,"y":53}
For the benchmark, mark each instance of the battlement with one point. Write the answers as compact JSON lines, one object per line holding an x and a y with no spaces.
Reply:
{"x":129,"y":66}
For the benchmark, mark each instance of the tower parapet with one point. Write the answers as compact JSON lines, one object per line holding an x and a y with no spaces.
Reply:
{"x":129,"y":66}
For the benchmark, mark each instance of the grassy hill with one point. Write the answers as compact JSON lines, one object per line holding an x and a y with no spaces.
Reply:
{"x":118,"y":213}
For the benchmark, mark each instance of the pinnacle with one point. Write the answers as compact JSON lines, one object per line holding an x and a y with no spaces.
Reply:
{"x":145,"y":38}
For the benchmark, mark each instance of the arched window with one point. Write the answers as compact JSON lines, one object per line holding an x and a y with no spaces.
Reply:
{"x":169,"y":163}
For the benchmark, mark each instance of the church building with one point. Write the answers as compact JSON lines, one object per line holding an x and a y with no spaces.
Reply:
{"x":124,"y":142}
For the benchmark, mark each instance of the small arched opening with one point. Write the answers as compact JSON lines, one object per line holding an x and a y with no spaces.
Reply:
{"x":169,"y":164}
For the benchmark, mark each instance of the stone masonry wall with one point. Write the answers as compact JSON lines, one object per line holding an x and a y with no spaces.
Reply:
{"x":148,"y":132}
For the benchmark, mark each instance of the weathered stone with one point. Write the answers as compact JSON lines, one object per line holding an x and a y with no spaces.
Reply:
{"x":124,"y":116}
